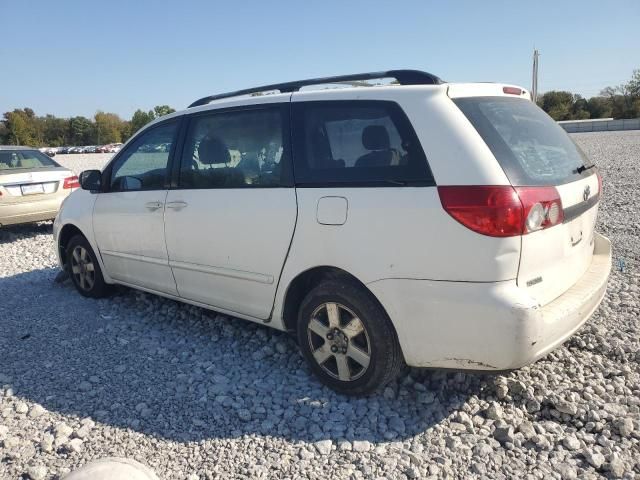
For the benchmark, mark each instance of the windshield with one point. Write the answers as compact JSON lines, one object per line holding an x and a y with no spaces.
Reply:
{"x":531,"y":148}
{"x":21,"y":159}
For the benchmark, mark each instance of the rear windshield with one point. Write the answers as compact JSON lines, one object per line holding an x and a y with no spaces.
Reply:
{"x":531,"y":148}
{"x":23,"y":159}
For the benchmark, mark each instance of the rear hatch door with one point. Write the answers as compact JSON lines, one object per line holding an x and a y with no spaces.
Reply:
{"x":534,"y":151}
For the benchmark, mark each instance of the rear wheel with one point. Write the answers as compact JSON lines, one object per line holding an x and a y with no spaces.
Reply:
{"x":347,"y":338}
{"x":84,"y":269}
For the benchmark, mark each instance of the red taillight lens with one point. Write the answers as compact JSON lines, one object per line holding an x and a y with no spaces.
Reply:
{"x":512,"y":90}
{"x":599,"y":183}
{"x":494,"y":211}
{"x":503,"y":211}
{"x":71,"y":182}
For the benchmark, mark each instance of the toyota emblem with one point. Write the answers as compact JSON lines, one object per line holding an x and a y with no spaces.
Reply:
{"x":586,"y":193}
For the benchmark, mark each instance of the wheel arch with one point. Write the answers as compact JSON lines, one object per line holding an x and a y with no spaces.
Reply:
{"x":67,"y":232}
{"x":308,"y":279}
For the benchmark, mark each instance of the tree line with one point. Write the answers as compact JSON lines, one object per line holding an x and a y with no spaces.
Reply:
{"x":622,"y":101}
{"x":24,"y":127}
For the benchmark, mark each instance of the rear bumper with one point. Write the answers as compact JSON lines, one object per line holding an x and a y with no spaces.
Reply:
{"x":488,"y":326}
{"x":26,"y":212}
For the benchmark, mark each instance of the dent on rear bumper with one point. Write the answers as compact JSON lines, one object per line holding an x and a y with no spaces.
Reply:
{"x":487,"y":326}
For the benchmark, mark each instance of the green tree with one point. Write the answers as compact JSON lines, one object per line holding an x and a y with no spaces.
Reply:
{"x":125,"y":131}
{"x":625,"y":98}
{"x":599,"y":107}
{"x":107,"y":128}
{"x":160,"y":110}
{"x":4,"y":133}
{"x":558,"y":104}
{"x":580,"y":108}
{"x":55,"y":131}
{"x":139,"y":120}
{"x":81,"y":130}
{"x":21,"y":128}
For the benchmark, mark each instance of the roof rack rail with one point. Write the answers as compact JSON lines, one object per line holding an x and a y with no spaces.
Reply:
{"x":404,"y":77}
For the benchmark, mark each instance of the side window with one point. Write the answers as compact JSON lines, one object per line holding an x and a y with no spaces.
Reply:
{"x":143,"y":165}
{"x":356,"y":142}
{"x":234,"y":149}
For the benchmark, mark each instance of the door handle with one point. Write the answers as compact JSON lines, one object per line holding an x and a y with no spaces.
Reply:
{"x":153,"y":205}
{"x":177,"y":205}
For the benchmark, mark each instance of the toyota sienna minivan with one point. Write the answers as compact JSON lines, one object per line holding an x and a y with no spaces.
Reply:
{"x":414,"y":222}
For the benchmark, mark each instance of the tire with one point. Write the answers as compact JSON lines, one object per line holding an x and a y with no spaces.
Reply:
{"x":84,"y":269}
{"x":330,"y":337}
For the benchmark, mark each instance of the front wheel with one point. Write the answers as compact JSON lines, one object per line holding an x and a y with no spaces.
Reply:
{"x":347,"y":338}
{"x":84,"y":269}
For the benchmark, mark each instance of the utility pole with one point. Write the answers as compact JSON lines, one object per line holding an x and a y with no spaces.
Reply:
{"x":534,"y":77}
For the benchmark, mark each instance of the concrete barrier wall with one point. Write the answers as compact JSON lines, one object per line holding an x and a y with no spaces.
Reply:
{"x":600,"y":125}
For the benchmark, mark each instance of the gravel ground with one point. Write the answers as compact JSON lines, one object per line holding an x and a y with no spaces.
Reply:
{"x":196,"y":395}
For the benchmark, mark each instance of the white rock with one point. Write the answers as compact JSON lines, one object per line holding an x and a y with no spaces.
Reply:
{"x":616,"y":467}
{"x":36,"y":411}
{"x":625,"y":427}
{"x":305,"y":454}
{"x":361,"y":446}
{"x":75,"y":445}
{"x":594,"y":459}
{"x":46,"y":444}
{"x":570,"y":442}
{"x":37,"y":472}
{"x":566,"y":407}
{"x":494,"y":412}
{"x":345,"y":446}
{"x":63,"y":430}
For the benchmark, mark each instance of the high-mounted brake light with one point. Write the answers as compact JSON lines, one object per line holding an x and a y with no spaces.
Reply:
{"x":71,"y":182}
{"x":512,"y":90}
{"x":503,"y":210}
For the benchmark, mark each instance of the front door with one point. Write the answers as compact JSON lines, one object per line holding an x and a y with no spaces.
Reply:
{"x":128,"y":219}
{"x":229,"y":223}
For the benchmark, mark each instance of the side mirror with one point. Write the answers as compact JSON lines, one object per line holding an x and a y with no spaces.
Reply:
{"x":91,"y":180}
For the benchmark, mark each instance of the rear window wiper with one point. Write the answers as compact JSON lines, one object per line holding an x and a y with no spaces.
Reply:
{"x":583,"y":168}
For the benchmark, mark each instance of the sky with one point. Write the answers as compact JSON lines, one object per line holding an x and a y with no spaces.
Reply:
{"x":75,"y":57}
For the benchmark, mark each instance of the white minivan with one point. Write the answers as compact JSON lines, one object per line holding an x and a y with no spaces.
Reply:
{"x":412,"y":222}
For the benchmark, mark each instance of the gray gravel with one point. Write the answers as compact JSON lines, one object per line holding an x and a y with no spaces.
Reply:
{"x":196,"y":395}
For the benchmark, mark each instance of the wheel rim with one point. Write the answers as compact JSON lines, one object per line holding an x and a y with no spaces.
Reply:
{"x":339,"y":342}
{"x":82,"y":268}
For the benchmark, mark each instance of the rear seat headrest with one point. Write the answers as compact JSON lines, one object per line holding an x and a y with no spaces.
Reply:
{"x":213,"y":151}
{"x":375,"y":137}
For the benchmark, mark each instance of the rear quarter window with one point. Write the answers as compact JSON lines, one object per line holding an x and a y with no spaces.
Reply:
{"x":356,"y":143}
{"x":530,"y":146}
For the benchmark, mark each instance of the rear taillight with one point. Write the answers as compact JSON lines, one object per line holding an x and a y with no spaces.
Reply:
{"x":71,"y":182}
{"x":494,"y":211}
{"x":542,"y":207}
{"x":503,"y":211}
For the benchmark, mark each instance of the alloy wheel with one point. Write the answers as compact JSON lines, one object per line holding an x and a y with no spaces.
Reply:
{"x":82,"y":268}
{"x":339,"y":341}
